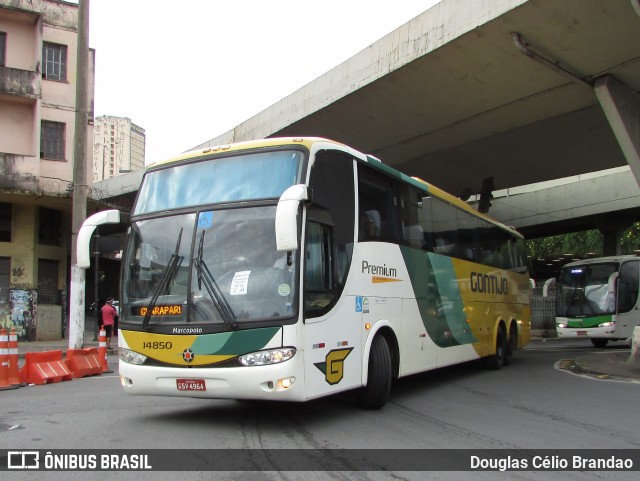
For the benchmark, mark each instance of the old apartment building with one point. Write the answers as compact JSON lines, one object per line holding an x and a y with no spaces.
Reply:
{"x":118,"y":147}
{"x":38,"y":41}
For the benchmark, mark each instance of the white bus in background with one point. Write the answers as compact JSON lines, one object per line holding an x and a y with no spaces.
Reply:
{"x":597,"y":299}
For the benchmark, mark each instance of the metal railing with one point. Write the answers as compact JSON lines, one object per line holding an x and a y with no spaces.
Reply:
{"x":543,"y":309}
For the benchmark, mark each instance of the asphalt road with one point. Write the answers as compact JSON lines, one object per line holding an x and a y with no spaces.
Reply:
{"x":532,"y":404}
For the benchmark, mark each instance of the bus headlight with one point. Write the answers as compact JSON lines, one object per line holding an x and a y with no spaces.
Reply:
{"x":561,"y":325}
{"x":607,"y":324}
{"x":131,"y":357}
{"x":270,"y":356}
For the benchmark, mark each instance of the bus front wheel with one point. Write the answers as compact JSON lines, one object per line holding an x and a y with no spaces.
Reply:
{"x":496,"y":360}
{"x":599,"y":342}
{"x":376,"y":393}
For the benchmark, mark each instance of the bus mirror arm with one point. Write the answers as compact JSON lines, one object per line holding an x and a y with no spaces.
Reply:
{"x":287,"y":217}
{"x":86,"y":231}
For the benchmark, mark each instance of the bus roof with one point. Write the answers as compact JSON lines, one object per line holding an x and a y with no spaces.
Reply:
{"x":308,"y":142}
{"x":600,"y":260}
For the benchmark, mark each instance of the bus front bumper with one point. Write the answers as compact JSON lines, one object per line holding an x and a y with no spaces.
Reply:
{"x":283,"y":381}
{"x":607,"y":332}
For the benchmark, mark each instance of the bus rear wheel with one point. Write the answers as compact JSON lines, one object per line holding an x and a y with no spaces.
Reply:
{"x":512,"y":345}
{"x":599,"y":342}
{"x":496,"y":360}
{"x":376,"y":393}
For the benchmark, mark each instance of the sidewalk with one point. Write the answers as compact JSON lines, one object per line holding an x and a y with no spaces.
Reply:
{"x":608,"y":364}
{"x":63,"y":344}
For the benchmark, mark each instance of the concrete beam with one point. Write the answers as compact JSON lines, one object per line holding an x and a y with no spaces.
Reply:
{"x":598,"y":195}
{"x":621,"y":106}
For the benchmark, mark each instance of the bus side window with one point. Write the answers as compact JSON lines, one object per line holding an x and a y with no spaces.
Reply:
{"x":445,"y":228}
{"x":413,"y":232}
{"x":377,"y":199}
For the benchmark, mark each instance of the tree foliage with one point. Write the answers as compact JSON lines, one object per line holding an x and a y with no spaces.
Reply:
{"x":581,"y":243}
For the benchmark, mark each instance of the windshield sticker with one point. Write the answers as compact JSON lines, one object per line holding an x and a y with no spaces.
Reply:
{"x":240,"y":283}
{"x":145,"y":255}
{"x":205,"y":220}
{"x":284,"y":290}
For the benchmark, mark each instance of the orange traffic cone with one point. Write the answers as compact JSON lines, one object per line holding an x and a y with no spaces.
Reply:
{"x":14,"y":375}
{"x":102,"y":350}
{"x":4,"y":362}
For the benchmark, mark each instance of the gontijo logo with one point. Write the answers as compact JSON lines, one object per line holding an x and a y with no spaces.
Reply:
{"x":380,"y":273}
{"x":488,"y":284}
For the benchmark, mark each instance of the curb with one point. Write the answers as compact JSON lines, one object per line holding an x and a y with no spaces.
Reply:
{"x":605,"y":365}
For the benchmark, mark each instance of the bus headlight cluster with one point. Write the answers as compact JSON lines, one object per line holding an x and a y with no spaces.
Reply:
{"x":607,"y":324}
{"x":131,"y":357}
{"x":561,"y":325}
{"x":270,"y":356}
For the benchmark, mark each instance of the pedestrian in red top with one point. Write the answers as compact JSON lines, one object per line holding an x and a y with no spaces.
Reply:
{"x":109,"y":315}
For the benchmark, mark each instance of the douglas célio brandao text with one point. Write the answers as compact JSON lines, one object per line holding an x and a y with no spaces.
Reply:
{"x":551,"y":463}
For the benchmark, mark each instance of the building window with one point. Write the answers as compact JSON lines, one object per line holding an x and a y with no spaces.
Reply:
{"x":3,"y":48}
{"x":52,"y":140}
{"x":5,"y":222}
{"x":54,"y":62}
{"x":49,"y":228}
{"x":5,"y":284}
{"x":48,"y":282}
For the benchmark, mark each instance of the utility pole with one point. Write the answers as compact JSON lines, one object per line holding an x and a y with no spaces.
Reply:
{"x":79,"y":209}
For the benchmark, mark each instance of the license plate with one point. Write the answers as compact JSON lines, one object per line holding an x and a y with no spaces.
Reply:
{"x":191,"y":385}
{"x":581,"y":333}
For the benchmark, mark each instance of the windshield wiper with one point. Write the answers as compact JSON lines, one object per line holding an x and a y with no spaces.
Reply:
{"x":210,"y":284}
{"x":167,"y":274}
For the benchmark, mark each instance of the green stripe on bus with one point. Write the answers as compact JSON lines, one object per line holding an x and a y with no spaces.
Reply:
{"x":234,"y":343}
{"x":432,"y":275}
{"x":588,"y":321}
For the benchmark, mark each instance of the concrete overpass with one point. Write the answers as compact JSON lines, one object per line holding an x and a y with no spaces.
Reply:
{"x":523,"y":91}
{"x":520,"y":91}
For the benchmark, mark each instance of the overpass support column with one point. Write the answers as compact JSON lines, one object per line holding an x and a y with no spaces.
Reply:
{"x":612,"y":232}
{"x":622,"y":109}
{"x":611,"y":242}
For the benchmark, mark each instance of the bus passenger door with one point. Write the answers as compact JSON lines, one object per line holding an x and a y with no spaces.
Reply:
{"x":331,"y":335}
{"x":332,"y":350}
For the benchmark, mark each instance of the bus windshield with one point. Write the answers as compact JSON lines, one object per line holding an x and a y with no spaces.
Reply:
{"x":213,"y":267}
{"x":584,"y":291}
{"x":262,"y":175}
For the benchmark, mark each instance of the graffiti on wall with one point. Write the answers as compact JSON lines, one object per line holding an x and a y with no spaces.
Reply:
{"x":23,"y":316}
{"x":5,"y":314}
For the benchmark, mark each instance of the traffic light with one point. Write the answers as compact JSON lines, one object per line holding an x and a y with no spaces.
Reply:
{"x":485,"y":195}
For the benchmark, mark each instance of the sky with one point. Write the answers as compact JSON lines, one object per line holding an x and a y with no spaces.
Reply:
{"x":187,"y":71}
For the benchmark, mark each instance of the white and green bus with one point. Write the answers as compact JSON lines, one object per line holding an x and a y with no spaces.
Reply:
{"x":597,"y":299}
{"x":290,"y":269}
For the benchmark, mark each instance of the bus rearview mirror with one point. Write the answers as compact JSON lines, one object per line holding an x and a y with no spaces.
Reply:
{"x":287,"y":217}
{"x":83,"y":253}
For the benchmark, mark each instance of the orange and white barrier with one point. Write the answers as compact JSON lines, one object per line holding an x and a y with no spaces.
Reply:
{"x":4,"y":362}
{"x":44,"y":367}
{"x":102,"y":350}
{"x":83,"y":362}
{"x":14,"y":359}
